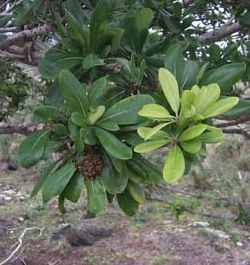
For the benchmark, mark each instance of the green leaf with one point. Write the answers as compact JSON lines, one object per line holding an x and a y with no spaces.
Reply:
{"x":207,"y":95}
{"x":77,"y":119}
{"x":91,"y":61}
{"x":137,"y":192}
{"x":150,"y":132}
{"x":150,"y":146}
{"x":125,"y":111}
{"x":97,"y":91}
{"x":174,"y":165}
{"x":113,"y":180}
{"x":225,"y":76}
{"x":73,"y":92}
{"x":170,"y":89}
{"x":139,"y":24}
{"x":127,"y":203}
{"x":95,"y":115}
{"x":145,"y":131}
{"x":242,"y":108}
{"x":45,"y":173}
{"x":192,"y":147}
{"x":45,"y":113}
{"x":154,"y":111}
{"x":145,"y":170}
{"x":109,"y":126}
{"x":214,"y":135}
{"x":192,"y":132}
{"x":57,"y":181}
{"x":97,"y":198}
{"x":32,"y":148}
{"x":113,"y":145}
{"x":56,"y":60}
{"x":220,"y":107}
{"x":73,"y":190}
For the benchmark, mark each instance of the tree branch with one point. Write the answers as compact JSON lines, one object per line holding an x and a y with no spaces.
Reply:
{"x":20,"y":129}
{"x":234,"y":122}
{"x":237,"y":131}
{"x":219,"y":34}
{"x":25,"y":35}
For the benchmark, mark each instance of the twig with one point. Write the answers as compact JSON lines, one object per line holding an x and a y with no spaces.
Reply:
{"x":20,"y":243}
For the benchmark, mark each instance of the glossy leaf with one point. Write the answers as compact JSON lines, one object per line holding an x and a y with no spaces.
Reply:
{"x":57,"y":181}
{"x":170,"y":89}
{"x":150,"y":132}
{"x":225,"y":76}
{"x":32,"y":148}
{"x":127,"y":203}
{"x":150,"y":146}
{"x":113,"y":145}
{"x":174,"y":165}
{"x":145,"y":131}
{"x":192,"y":132}
{"x":154,"y":111}
{"x":74,"y":188}
{"x":192,"y":146}
{"x":124,"y":112}
{"x":96,"y":194}
{"x":113,"y":180}
{"x":73,"y":92}
{"x":137,"y":192}
{"x":207,"y":95}
{"x":220,"y":107}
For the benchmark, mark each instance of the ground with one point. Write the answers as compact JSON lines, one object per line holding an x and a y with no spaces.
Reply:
{"x":204,"y":233}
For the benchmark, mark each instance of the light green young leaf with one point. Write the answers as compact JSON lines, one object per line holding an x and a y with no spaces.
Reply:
{"x":154,"y":111}
{"x":212,"y":135}
{"x":150,"y":146}
{"x":143,"y":132}
{"x":136,"y":191}
{"x":192,"y":132}
{"x":207,"y":95}
{"x":151,"y":131}
{"x":220,"y":107}
{"x":170,"y":89}
{"x":174,"y":165}
{"x":192,"y":146}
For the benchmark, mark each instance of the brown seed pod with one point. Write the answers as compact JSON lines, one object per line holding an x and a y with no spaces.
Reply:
{"x":92,"y":164}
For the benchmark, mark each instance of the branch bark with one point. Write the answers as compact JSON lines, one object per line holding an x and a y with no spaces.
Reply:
{"x":217,"y":35}
{"x":237,"y":131}
{"x":19,"y":129}
{"x":25,"y":35}
{"x":234,"y":122}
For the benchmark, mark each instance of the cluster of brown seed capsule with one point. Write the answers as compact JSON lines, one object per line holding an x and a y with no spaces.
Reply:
{"x":92,"y":164}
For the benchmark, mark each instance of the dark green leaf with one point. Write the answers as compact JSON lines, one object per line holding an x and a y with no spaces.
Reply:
{"x":57,"y":181}
{"x":97,"y":198}
{"x":113,"y":145}
{"x":32,"y":148}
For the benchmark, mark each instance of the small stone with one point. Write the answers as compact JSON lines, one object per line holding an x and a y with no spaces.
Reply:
{"x":239,"y":244}
{"x":200,"y":224}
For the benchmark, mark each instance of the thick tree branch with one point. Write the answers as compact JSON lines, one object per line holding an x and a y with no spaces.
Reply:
{"x":20,"y":129}
{"x":234,"y":122}
{"x":217,"y":35}
{"x":237,"y":131}
{"x":25,"y":35}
